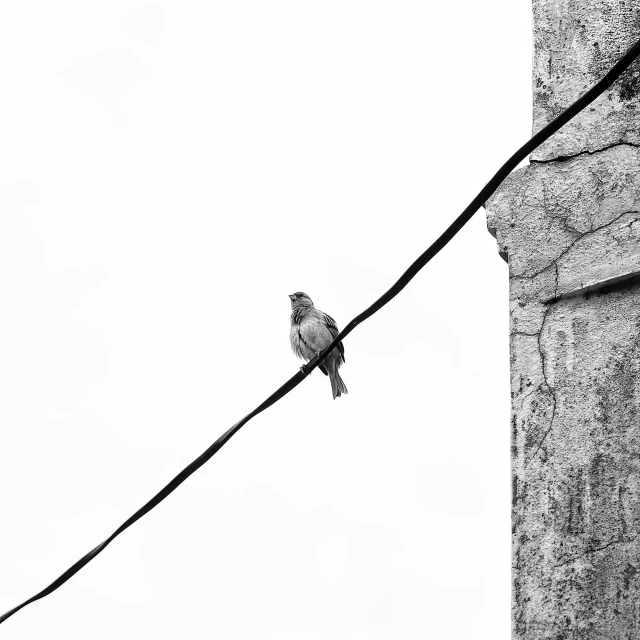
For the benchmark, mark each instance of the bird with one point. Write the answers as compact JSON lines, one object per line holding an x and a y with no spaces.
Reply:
{"x":312,"y":331}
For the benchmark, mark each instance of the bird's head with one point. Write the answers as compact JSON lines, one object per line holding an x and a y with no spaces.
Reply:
{"x":300,"y":299}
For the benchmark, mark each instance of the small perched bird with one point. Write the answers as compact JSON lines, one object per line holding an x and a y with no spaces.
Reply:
{"x":312,"y":331}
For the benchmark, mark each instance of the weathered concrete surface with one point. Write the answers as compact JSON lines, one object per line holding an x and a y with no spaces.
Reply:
{"x":569,"y":227}
{"x":571,"y":234}
{"x":575,"y":44}
{"x":564,"y":215}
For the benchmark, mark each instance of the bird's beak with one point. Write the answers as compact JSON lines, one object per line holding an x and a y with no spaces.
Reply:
{"x":291,"y":296}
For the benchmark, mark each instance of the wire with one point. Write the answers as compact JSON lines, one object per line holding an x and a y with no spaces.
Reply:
{"x":386,"y":297}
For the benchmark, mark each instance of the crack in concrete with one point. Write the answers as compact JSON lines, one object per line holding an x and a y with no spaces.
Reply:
{"x":555,"y":296}
{"x":585,"y":153}
{"x":563,"y":220}
{"x":532,"y":391}
{"x":571,"y":245}
{"x":549,"y":388}
{"x":588,"y":552}
{"x":538,"y":334}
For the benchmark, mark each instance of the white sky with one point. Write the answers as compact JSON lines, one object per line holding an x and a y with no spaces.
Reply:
{"x":169,"y":172}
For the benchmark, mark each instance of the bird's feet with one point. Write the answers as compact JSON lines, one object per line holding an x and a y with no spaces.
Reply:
{"x":305,"y":367}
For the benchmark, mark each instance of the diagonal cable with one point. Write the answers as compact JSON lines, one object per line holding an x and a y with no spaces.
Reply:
{"x":489,"y":189}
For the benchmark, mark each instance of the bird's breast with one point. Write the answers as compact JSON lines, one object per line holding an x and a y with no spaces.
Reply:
{"x":314,"y":335}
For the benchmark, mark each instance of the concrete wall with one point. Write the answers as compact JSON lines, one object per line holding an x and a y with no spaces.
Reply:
{"x":575,"y":43}
{"x":570,"y":231}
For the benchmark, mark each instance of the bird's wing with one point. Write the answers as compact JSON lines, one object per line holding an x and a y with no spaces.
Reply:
{"x":333,"y":329}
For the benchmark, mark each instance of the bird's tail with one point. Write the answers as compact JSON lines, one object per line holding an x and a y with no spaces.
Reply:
{"x":338,"y":387}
